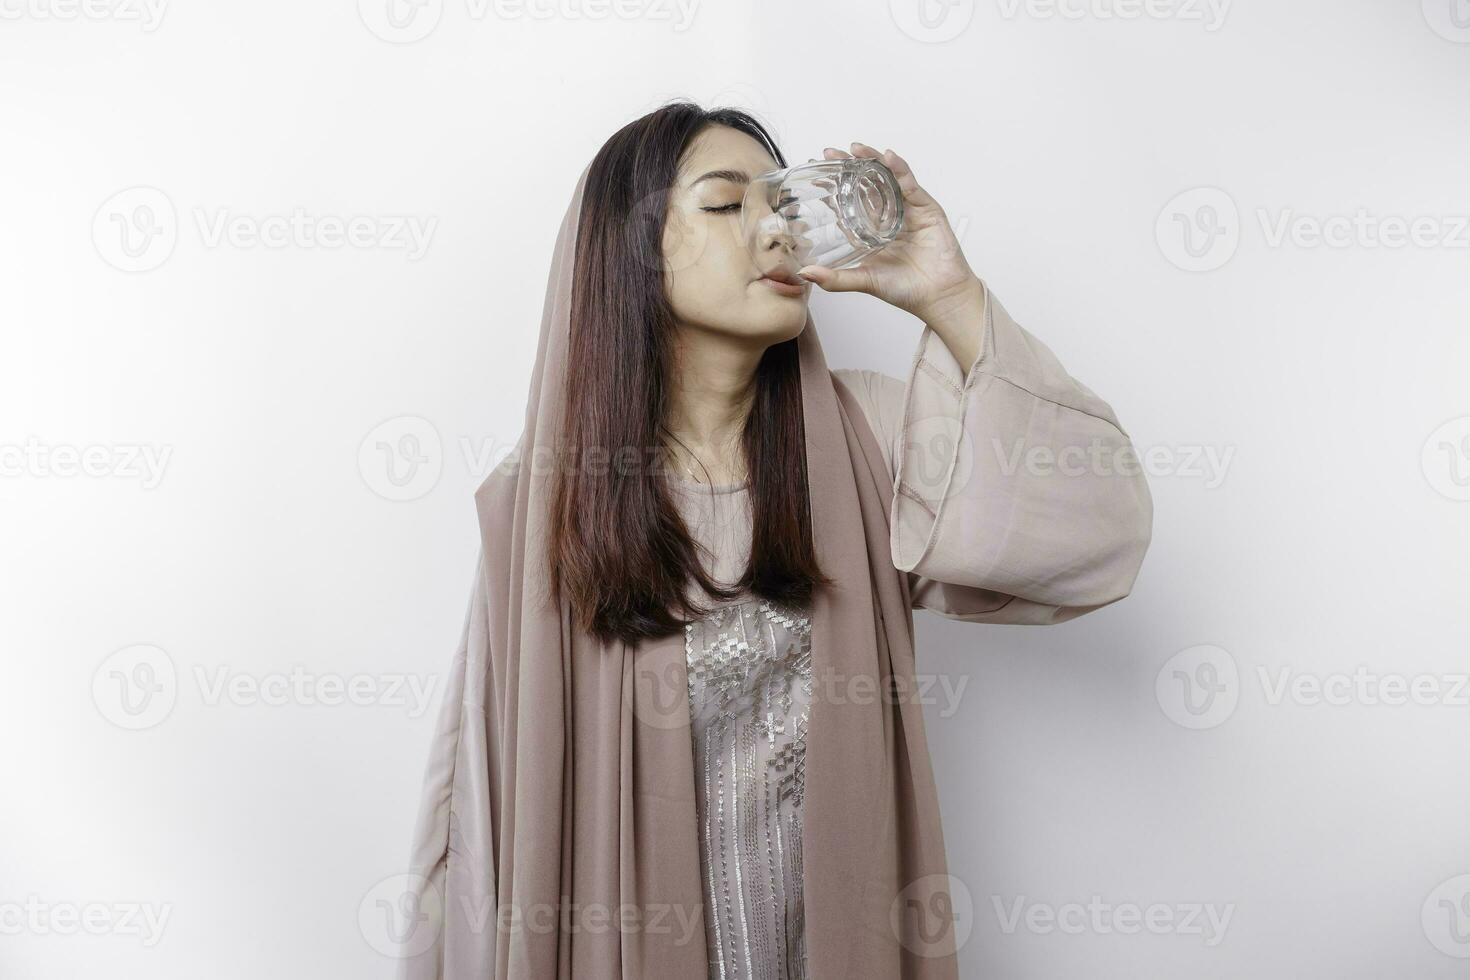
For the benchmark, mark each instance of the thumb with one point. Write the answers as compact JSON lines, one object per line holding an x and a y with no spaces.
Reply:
{"x":836,"y":280}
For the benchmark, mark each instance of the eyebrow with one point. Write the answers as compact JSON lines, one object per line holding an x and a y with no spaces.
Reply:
{"x":735,"y":176}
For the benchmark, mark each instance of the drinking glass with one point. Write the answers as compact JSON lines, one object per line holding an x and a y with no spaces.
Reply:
{"x":832,"y":213}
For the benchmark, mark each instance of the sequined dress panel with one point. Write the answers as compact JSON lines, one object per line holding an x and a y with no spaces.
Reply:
{"x":750,"y":689}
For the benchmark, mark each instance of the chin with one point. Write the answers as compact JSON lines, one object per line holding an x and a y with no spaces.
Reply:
{"x":780,"y":325}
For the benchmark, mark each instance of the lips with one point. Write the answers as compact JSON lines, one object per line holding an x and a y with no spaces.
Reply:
{"x":781,"y":275}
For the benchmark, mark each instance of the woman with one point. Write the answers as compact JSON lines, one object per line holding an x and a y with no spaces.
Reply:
{"x":682,"y":736}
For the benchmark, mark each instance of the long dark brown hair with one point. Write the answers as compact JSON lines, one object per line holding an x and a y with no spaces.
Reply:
{"x":619,"y":549}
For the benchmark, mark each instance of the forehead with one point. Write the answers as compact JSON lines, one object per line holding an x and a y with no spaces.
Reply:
{"x":723,"y":148}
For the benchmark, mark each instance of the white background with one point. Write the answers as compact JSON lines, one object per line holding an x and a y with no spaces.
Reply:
{"x":1330,"y":536}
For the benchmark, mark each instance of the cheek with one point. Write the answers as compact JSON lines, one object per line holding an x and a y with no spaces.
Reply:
{"x":703,"y":294}
{"x":708,"y":277}
{"x":684,"y":243}
{"x":708,"y":245}
{"x":706,"y":267}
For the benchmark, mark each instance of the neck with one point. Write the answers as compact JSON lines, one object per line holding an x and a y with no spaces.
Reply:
{"x":710,"y":395}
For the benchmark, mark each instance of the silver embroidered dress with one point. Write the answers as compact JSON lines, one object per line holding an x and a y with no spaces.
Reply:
{"x":749,"y":698}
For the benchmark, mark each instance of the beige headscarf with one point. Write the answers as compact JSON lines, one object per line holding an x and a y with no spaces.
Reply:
{"x":559,"y":800}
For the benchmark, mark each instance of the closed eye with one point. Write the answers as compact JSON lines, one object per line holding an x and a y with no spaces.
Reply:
{"x":723,"y":209}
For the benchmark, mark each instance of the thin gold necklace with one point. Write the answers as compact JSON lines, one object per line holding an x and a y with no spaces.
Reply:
{"x":688,"y":467}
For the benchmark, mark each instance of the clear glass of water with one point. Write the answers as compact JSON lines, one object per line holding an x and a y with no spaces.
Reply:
{"x":832,"y":213}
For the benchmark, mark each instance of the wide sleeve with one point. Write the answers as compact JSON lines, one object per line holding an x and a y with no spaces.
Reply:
{"x":1018,"y":497}
{"x":446,"y":917}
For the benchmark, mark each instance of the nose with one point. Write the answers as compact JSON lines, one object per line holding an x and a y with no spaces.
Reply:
{"x":771,"y":234}
{"x":768,"y":238}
